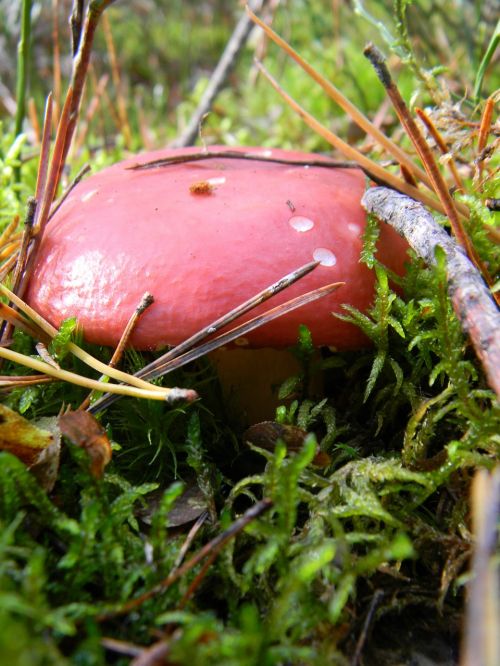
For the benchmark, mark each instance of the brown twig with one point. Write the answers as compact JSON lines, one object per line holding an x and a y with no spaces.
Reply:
{"x":189,"y":540}
{"x":57,"y":204}
{"x":83,"y":37}
{"x":378,"y":61}
{"x":21,"y":381}
{"x":215,"y":544}
{"x":146,"y":301}
{"x":227,"y":60}
{"x":375,"y":600}
{"x":16,"y":320}
{"x":172,"y":160}
{"x":470,"y":297}
{"x":483,"y":133}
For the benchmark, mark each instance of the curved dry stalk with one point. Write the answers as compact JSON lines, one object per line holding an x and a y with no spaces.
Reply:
{"x":422,"y":147}
{"x":77,"y":351}
{"x":355,"y":114}
{"x":162,"y":367}
{"x":368,"y":165}
{"x":165,"y":394}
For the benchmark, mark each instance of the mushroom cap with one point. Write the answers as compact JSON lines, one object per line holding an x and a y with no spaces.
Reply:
{"x":202,"y":237}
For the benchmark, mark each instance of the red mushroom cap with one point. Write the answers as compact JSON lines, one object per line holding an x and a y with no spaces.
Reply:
{"x":202,"y":237}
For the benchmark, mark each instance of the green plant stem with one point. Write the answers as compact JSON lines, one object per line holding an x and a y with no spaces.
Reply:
{"x":492,"y":46}
{"x":23,"y":53}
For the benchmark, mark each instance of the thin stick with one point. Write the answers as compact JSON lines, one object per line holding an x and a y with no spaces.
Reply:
{"x":156,"y":369}
{"x":89,"y":360}
{"x":83,"y":38}
{"x":81,"y":174}
{"x":169,"y":394}
{"x":189,"y":540}
{"x":20,"y":381}
{"x":483,"y":133}
{"x":216,"y":543}
{"x":368,"y":165}
{"x":211,"y":154}
{"x":218,"y":78}
{"x":470,"y":297}
{"x":16,"y":320}
{"x":441,"y":144}
{"x":425,"y":153}
{"x":146,"y":301}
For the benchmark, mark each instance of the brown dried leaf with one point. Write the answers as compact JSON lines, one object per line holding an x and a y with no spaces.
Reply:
{"x":83,"y":430}
{"x":266,"y":434}
{"x":20,"y":437}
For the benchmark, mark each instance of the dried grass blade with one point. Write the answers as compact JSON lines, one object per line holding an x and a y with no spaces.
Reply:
{"x":334,"y":93}
{"x":425,"y":153}
{"x":165,"y":394}
{"x":369,"y":166}
{"x":86,"y":358}
{"x":168,"y":366}
{"x":229,"y":317}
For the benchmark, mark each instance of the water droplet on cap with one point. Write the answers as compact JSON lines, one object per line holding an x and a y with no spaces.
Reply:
{"x":324,"y":256}
{"x":88,"y":195}
{"x":300,"y":223}
{"x":217,"y":181}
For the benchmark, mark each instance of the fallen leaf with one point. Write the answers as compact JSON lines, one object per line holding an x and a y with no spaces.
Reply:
{"x":20,"y":437}
{"x":83,"y":430}
{"x":266,"y":434}
{"x":37,"y":445}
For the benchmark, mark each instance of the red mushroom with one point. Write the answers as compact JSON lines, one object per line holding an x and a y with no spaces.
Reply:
{"x":202,"y":236}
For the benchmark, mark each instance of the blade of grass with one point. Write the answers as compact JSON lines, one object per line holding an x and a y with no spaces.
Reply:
{"x":488,"y":56}
{"x":23,"y":56}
